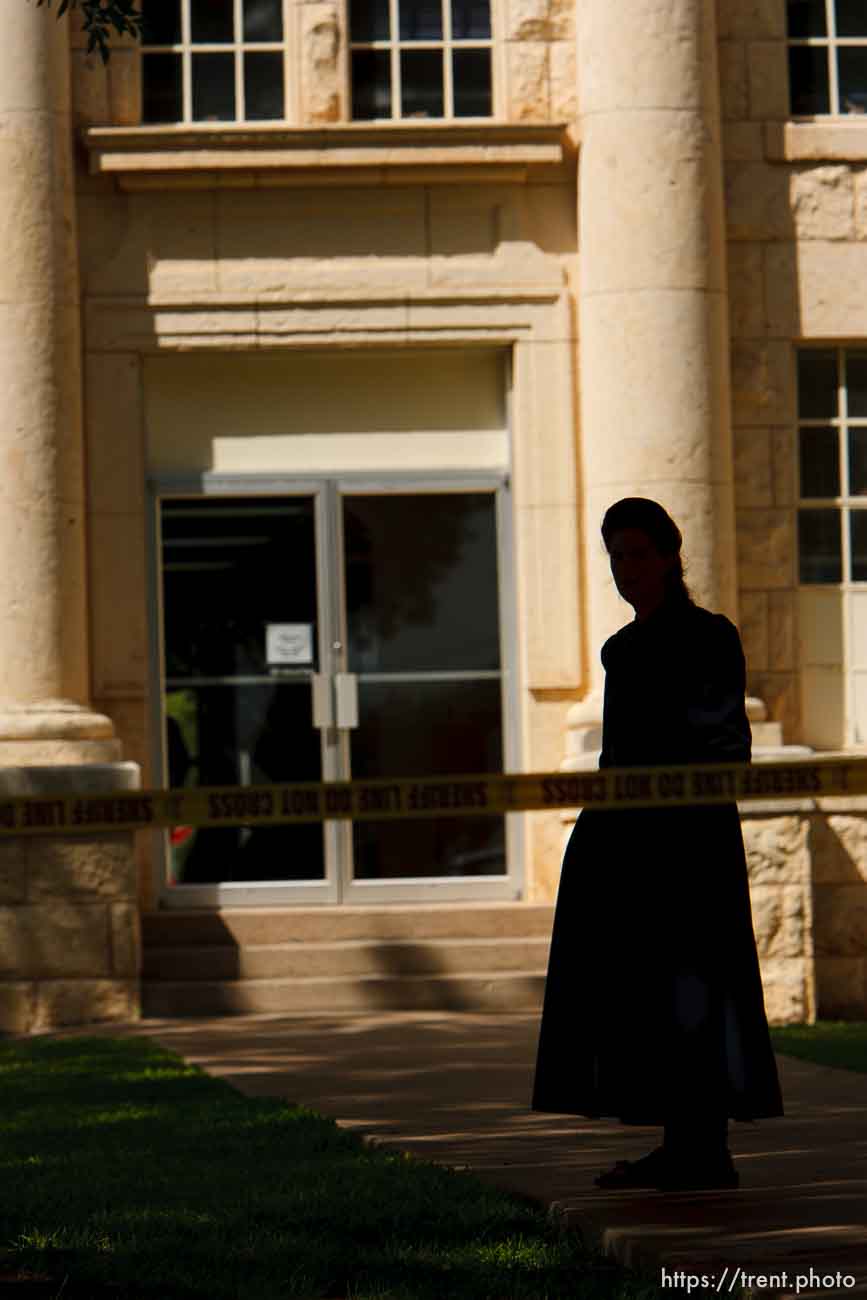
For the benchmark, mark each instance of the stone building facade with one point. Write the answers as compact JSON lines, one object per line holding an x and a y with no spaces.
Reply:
{"x":328,"y":333}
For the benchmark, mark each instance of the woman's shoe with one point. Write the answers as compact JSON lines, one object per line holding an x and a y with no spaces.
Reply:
{"x":645,"y":1172}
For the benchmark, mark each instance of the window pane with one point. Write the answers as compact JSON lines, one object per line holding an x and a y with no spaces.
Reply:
{"x":368,"y":20}
{"x":444,"y":617}
{"x":218,"y":561}
{"x":421,"y":20}
{"x":817,"y":385}
{"x":851,"y":18}
{"x":819,"y":546}
{"x":371,"y":84}
{"x":212,"y":20}
{"x":806,"y":18}
{"x":416,"y":846}
{"x":438,"y":721}
{"x":808,"y":79}
{"x":852,"y":71}
{"x":161,"y":22}
{"x":263,"y":87}
{"x":856,"y":383}
{"x":858,"y":543}
{"x":421,"y":75}
{"x":471,"y":73}
{"x":820,"y":463}
{"x":858,"y":462}
{"x":214,"y":87}
{"x":263,"y":20}
{"x":162,"y":99}
{"x":471,"y":20}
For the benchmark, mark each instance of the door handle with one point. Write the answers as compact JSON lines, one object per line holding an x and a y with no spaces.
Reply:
{"x":346,"y":693}
{"x":323,"y":711}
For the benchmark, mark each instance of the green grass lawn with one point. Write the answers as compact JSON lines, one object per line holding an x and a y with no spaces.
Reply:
{"x":126,"y":1172}
{"x":842,"y":1043}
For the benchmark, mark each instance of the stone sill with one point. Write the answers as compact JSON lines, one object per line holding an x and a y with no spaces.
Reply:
{"x":814,"y":140}
{"x":148,"y":157}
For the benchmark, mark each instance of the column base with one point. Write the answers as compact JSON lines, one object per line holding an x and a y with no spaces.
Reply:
{"x":583,"y":733}
{"x":55,"y":731}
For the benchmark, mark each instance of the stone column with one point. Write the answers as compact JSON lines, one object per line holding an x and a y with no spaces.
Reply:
{"x":69,"y":938}
{"x":44,"y":675}
{"x":653,"y":315}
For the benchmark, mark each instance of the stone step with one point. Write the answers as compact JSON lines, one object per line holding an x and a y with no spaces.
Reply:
{"x":484,"y":991}
{"x":353,"y":957}
{"x":255,"y":926}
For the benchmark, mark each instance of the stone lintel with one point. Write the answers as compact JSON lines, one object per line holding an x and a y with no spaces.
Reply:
{"x":200,"y":156}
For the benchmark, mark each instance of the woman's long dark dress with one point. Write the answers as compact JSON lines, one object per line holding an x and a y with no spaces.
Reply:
{"x":653,"y":1006}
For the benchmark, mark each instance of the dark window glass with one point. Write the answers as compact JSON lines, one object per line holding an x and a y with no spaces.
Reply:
{"x":263,"y":20}
{"x":471,"y":73}
{"x":820,"y":463}
{"x":214,"y":87}
{"x":446,"y":617}
{"x":858,"y":462}
{"x":471,"y":20}
{"x":851,"y":18}
{"x":808,"y":80}
{"x":162,"y":96}
{"x":218,"y":598}
{"x":417,"y":846}
{"x":817,"y":385}
{"x":371,"y":84}
{"x":421,"y":83}
{"x":263,"y":86}
{"x":806,"y":18}
{"x":421,"y":20}
{"x":856,"y":384}
{"x":852,"y":74}
{"x":819,"y":546}
{"x":858,"y":544}
{"x":439,"y":720}
{"x":212,"y":21}
{"x":368,"y":20}
{"x":161,"y":22}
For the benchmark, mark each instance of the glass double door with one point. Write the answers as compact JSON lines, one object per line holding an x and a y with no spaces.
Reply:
{"x":325,"y":633}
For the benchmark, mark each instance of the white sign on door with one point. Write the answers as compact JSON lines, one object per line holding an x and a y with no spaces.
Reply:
{"x":289,"y":643}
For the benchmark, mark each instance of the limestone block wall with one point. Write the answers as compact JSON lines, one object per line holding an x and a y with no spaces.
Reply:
{"x":776,"y":839}
{"x":808,"y":888}
{"x":70,"y":935}
{"x":69,"y":932}
{"x":539,"y":41}
{"x":838,"y":850}
{"x":797,"y":260}
{"x":759,"y":216}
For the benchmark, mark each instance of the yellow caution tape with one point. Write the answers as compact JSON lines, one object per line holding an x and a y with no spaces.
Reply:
{"x":440,"y":796}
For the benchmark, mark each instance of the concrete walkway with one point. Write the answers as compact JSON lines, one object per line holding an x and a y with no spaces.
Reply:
{"x":455,"y":1088}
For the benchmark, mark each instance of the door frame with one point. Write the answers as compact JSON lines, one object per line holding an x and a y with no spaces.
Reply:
{"x":328,"y":489}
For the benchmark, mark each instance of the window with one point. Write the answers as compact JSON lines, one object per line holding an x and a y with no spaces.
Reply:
{"x":213,"y":61}
{"x":827,"y":56}
{"x":832,"y":456}
{"x":420,"y":58}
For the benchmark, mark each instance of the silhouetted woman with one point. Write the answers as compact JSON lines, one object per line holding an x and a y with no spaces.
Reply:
{"x":654,"y":1011}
